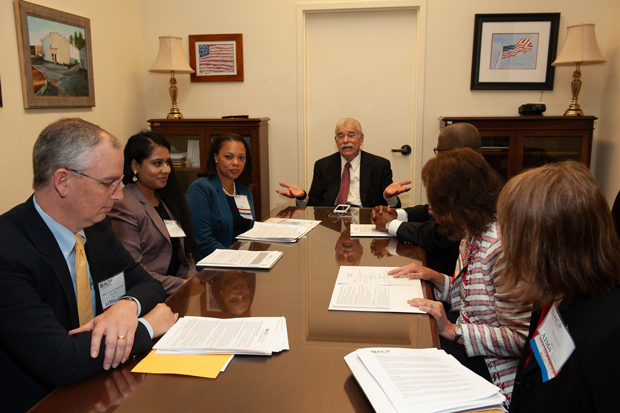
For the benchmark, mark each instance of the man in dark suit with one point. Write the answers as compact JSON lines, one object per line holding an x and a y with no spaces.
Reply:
{"x":61,"y":267}
{"x":416,"y":224}
{"x":350,"y":176}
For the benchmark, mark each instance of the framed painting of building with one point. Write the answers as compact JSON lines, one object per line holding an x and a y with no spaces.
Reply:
{"x":216,"y":57}
{"x":56,"y":59}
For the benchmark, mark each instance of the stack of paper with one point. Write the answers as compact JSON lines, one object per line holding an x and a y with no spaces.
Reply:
{"x":372,"y":289}
{"x":368,"y":231}
{"x":420,"y":380}
{"x":260,"y":336}
{"x":280,"y":232}
{"x":179,"y":159}
{"x":240,"y":259}
{"x":308,"y":224}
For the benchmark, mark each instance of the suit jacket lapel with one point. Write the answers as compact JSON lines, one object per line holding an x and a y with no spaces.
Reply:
{"x":365,"y":179}
{"x":151,"y":212}
{"x":44,"y":240}
{"x":334,"y":172}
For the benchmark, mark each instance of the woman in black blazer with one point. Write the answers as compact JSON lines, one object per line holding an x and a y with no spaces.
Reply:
{"x":562,"y":251}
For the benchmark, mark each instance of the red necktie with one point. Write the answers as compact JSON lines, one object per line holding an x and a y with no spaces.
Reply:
{"x":345,"y":182}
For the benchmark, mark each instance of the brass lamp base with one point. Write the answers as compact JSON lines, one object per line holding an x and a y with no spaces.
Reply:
{"x":574,"y":109}
{"x":175,"y":113}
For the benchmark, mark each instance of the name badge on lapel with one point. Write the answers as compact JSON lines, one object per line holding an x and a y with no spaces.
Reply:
{"x":174,"y":229}
{"x":553,"y":345}
{"x":111,"y":290}
{"x":243,"y":205}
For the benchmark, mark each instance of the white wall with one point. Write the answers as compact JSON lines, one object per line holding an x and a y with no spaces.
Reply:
{"x":119,"y":87}
{"x":125,"y":46}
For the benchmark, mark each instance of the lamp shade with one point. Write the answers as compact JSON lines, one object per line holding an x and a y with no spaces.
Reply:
{"x":170,"y":57}
{"x":580,"y":46}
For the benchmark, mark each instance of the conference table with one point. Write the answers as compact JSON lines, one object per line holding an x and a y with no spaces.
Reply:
{"x":312,"y":375}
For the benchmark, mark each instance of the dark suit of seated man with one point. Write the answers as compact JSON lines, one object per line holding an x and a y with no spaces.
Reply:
{"x":61,"y":267}
{"x":416,"y":224}
{"x":350,"y":176}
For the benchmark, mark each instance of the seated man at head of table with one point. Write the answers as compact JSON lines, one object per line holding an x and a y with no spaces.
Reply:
{"x":349,"y":176}
{"x":61,"y":267}
{"x":417,"y":224}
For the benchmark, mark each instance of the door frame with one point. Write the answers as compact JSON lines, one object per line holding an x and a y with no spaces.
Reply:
{"x":305,"y":9}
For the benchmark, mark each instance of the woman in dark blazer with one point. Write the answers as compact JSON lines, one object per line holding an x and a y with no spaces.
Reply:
{"x":562,"y":252}
{"x":148,"y":219}
{"x":221,"y":203}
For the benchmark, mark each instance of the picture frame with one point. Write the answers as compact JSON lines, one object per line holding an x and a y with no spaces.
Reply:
{"x":216,"y":57}
{"x":56,"y":58}
{"x":514,"y":51}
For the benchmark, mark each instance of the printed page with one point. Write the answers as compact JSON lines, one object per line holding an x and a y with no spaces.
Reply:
{"x":368,"y":231}
{"x":427,"y":380}
{"x":240,"y":259}
{"x":198,"y":335}
{"x":276,"y":232}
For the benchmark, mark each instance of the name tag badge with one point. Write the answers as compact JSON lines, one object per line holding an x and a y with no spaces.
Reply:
{"x":111,"y":290}
{"x":174,"y":229}
{"x":553,"y":345}
{"x":243,"y":206}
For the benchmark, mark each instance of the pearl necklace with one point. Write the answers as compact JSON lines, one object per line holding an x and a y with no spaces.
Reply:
{"x":234,"y":190}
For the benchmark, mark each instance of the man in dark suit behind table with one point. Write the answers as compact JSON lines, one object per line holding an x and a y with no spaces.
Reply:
{"x":61,"y":266}
{"x":349,"y":176}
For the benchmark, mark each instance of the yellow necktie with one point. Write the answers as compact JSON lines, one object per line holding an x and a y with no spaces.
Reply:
{"x":84,"y":298}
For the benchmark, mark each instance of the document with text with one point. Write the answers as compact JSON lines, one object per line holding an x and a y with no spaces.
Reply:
{"x":265,"y":232}
{"x":368,"y":231}
{"x":307,"y":224}
{"x":372,"y":289}
{"x":240,"y":259}
{"x":242,"y":336}
{"x":420,"y":380}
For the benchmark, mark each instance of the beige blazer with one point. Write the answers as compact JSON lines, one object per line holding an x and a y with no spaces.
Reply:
{"x":144,"y":235}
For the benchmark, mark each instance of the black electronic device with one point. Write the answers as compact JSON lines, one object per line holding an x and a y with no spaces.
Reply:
{"x":532,"y":109}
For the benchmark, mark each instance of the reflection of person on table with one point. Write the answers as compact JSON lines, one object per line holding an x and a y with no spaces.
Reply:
{"x":349,"y":176}
{"x":58,"y":258}
{"x":221,"y":203}
{"x":561,"y":250}
{"x":119,"y":388}
{"x":491,"y":327}
{"x":233,"y":291}
{"x":348,"y":251}
{"x":153,"y":203}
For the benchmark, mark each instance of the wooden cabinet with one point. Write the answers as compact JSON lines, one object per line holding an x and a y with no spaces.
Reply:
{"x":511,"y":144}
{"x":180,"y":131}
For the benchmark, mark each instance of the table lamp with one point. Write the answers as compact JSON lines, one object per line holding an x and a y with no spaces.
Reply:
{"x":580,"y":48}
{"x":170,"y":60}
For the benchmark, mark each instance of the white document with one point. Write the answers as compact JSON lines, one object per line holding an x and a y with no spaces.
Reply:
{"x":273,"y":232}
{"x":372,"y":289}
{"x":240,"y":259}
{"x":420,"y":380}
{"x":244,"y":336}
{"x":307,"y":224}
{"x":368,"y":231}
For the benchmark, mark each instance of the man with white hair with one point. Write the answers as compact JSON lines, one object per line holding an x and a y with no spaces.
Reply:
{"x":349,"y":176}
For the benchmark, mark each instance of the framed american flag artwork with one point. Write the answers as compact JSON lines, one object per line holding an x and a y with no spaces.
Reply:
{"x":216,"y":57}
{"x":514,"y":51}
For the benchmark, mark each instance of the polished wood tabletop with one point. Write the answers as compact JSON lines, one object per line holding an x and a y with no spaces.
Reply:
{"x":312,"y":376}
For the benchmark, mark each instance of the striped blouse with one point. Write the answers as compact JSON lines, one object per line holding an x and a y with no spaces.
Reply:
{"x":494,"y":325}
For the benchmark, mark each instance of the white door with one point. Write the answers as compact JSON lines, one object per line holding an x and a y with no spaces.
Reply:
{"x":361,"y":64}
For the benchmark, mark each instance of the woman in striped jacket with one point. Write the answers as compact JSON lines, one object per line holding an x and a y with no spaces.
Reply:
{"x":490,"y":328}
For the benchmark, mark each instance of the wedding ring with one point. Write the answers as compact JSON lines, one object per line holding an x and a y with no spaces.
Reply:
{"x":431,"y":306}
{"x":121,"y":338}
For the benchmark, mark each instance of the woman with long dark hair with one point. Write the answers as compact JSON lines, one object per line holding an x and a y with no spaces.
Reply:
{"x":221,"y":202}
{"x":153,"y":221}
